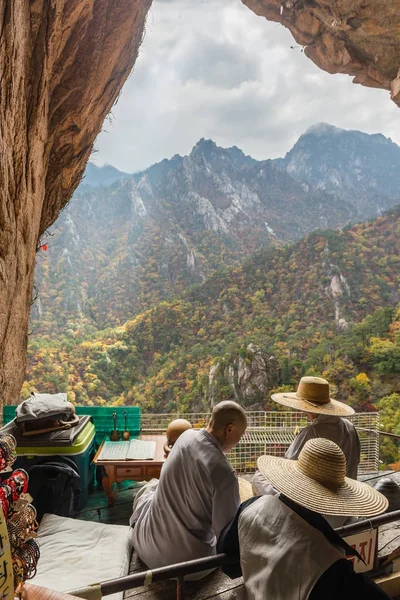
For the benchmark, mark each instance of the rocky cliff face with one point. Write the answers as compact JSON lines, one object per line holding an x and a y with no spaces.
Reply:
{"x":250,"y":377}
{"x":63,"y":65}
{"x":355,"y":37}
{"x":362,"y":169}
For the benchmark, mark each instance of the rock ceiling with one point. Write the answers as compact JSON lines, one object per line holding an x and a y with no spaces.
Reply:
{"x":357,"y":37}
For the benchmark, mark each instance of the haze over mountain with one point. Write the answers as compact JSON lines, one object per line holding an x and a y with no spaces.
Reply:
{"x":98,"y":176}
{"x":360,"y":168}
{"x":120,"y":248}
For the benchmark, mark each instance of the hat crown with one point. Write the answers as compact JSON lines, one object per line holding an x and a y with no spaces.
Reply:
{"x":314,"y":390}
{"x":323,"y":460}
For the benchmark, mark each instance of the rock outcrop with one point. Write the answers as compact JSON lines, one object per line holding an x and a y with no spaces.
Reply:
{"x":357,"y":37}
{"x":250,"y":374}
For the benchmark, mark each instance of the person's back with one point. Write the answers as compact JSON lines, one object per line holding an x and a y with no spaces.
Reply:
{"x":327,"y":420}
{"x":338,"y":430}
{"x":278,"y":537}
{"x":196,"y":496}
{"x":287,"y":548}
{"x":183,"y":517}
{"x":275,"y":541}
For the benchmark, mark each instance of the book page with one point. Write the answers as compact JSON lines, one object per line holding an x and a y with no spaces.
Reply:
{"x":114,"y":450}
{"x":141,"y":450}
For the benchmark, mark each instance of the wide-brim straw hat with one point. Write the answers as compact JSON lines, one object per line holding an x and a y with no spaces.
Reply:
{"x":317,"y":481}
{"x":245,"y":489}
{"x":313,"y":396}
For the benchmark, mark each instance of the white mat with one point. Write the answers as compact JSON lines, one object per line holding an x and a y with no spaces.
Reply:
{"x":74,"y":553}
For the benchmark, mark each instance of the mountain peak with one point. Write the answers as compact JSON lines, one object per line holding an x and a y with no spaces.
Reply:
{"x":98,"y":176}
{"x":212,"y":152}
{"x":358,"y":167}
{"x":322,"y":129}
{"x":325,"y":130}
{"x":203,"y":146}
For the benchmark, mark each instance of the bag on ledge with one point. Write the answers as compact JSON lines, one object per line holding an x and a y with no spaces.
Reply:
{"x":54,"y":484}
{"x":43,"y":413}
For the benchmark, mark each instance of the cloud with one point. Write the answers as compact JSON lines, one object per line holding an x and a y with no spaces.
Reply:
{"x":219,"y":64}
{"x":213,"y":69}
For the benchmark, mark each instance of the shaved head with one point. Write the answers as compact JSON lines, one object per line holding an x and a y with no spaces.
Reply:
{"x":227,"y":412}
{"x":227,"y":424}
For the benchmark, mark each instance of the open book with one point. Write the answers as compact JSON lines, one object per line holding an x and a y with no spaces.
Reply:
{"x":132,"y":450}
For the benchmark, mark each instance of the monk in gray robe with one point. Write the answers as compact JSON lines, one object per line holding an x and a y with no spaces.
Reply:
{"x":325,"y":417}
{"x":180,"y":517}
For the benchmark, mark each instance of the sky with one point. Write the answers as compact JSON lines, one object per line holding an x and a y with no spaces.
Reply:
{"x":213,"y":69}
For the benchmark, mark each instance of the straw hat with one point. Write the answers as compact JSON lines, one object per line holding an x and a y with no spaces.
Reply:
{"x":313,"y":396}
{"x":317,"y":481}
{"x":245,"y":489}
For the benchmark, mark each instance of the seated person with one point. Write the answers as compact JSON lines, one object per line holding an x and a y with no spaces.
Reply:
{"x":174,"y":430}
{"x":182,"y":515}
{"x":287,"y":549}
{"x":324,"y":414}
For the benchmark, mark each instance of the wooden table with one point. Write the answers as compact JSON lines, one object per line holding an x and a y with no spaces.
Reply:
{"x":136,"y":470}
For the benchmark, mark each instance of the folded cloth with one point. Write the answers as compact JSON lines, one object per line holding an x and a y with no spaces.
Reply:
{"x":44,"y":406}
{"x":63,"y":437}
{"x":142,"y":498}
{"x":75,"y":554}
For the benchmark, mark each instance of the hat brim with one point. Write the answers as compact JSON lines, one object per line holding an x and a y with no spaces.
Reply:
{"x":353,"y":498}
{"x":245,"y":489}
{"x":333,"y":407}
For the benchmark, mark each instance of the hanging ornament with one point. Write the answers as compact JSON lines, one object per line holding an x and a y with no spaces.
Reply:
{"x":44,"y":247}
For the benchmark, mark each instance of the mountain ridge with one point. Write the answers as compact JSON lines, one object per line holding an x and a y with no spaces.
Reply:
{"x":105,"y":175}
{"x":120,"y":248}
{"x":363,"y":168}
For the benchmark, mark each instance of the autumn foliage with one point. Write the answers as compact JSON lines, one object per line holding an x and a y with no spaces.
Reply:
{"x":280,"y":300}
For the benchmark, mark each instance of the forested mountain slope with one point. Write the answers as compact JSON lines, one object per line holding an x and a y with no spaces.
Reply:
{"x":326,"y":304}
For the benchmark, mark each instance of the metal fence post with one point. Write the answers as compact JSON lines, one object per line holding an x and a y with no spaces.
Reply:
{"x":180,"y":588}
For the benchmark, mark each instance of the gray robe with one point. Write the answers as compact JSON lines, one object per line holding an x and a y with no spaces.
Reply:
{"x":338,"y":430}
{"x":181,"y":518}
{"x":281,"y":555}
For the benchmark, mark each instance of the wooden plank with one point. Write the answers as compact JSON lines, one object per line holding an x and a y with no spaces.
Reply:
{"x":232,"y":594}
{"x":388,"y":539}
{"x":210,"y":587}
{"x":97,"y":508}
{"x":161,"y":591}
{"x":390,"y":584}
{"x":215,"y":584}
{"x":136,"y":564}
